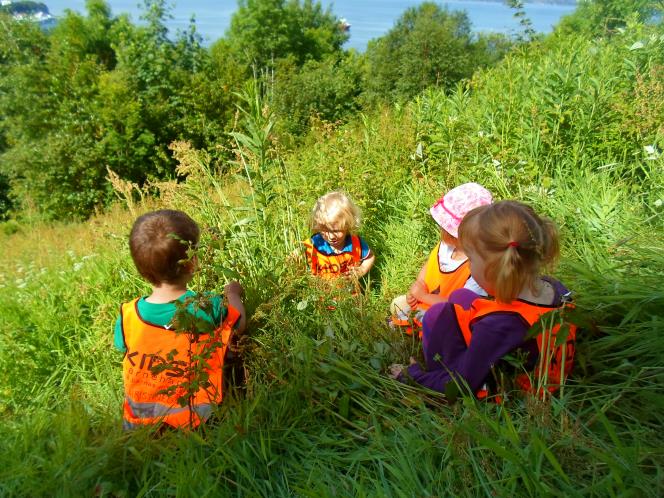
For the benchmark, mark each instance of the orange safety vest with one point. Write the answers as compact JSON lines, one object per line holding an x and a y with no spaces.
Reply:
{"x":149,"y":345}
{"x":437,"y":282}
{"x":333,"y":265}
{"x":443,"y":282}
{"x":556,"y":355}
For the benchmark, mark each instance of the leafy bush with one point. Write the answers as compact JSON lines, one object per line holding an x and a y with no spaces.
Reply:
{"x":428,"y":46}
{"x":264,"y":31}
{"x":328,"y":90}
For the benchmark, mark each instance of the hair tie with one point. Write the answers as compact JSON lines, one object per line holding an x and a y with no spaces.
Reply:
{"x":513,"y":244}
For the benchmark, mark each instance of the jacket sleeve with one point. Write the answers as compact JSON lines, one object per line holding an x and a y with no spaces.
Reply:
{"x":493,"y":337}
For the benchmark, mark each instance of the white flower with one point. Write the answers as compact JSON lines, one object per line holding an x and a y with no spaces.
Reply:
{"x":658,"y":203}
{"x":418,"y":152}
{"x":495,"y":162}
{"x":78,"y":266}
{"x":651,"y":152}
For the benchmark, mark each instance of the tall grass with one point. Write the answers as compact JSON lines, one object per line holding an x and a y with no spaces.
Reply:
{"x":554,"y":125}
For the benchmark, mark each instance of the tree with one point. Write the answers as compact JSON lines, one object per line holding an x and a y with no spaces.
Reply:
{"x":263,"y":31}
{"x":428,"y":46}
{"x":329,"y":89}
{"x":100,"y":93}
{"x":597,"y":17}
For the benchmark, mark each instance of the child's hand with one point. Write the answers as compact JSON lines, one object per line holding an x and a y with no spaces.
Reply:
{"x":234,"y":288}
{"x":411,"y":300}
{"x":418,"y":290}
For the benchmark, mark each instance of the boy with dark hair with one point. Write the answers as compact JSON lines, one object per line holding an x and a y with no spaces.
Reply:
{"x":157,"y":358}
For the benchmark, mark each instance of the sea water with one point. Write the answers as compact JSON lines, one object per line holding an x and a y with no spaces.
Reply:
{"x":368,"y":18}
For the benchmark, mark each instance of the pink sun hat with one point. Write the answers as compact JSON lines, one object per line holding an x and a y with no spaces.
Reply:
{"x":450,"y":209}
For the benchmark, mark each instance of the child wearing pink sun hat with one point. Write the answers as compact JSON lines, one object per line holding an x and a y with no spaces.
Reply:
{"x":450,"y":209}
{"x":447,"y":267}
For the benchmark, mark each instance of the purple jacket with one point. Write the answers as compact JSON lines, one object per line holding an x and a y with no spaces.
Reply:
{"x":494,"y":336}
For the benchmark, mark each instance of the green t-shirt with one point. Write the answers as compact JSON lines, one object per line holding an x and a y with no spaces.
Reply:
{"x":162,"y":314}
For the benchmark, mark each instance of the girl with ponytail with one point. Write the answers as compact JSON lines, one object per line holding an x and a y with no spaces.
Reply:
{"x":508,"y":245}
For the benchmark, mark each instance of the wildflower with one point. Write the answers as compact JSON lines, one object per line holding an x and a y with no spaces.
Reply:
{"x":418,"y":152}
{"x":78,"y":266}
{"x":495,"y":162}
{"x":658,"y":203}
{"x":651,"y":152}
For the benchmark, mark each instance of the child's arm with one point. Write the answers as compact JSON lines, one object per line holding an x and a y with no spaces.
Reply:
{"x":118,"y":337}
{"x":365,"y":266}
{"x":493,"y":338}
{"x":419,"y":293}
{"x":234,"y":293}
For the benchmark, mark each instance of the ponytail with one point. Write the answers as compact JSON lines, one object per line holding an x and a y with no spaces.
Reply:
{"x":514,"y":242}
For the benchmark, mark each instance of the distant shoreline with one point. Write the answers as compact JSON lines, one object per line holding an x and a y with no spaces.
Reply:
{"x":526,"y":2}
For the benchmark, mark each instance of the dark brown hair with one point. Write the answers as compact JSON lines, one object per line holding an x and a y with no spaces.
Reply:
{"x":514,"y":243}
{"x":159,"y":242}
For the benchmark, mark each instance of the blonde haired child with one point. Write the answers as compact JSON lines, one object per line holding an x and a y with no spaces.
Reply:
{"x":507,"y":244}
{"x":334,"y":249}
{"x":447,"y":267}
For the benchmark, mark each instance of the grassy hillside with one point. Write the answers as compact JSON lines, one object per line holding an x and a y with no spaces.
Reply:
{"x":572,"y":126}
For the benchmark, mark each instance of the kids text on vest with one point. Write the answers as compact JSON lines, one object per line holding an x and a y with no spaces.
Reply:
{"x":507,"y":244}
{"x":335,"y":250}
{"x":447,"y":267}
{"x":156,"y":356}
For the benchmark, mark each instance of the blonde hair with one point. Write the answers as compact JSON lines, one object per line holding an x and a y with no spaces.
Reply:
{"x":514,"y":242}
{"x":335,"y":207}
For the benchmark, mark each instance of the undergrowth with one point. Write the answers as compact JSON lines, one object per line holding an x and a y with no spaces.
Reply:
{"x":564,"y":126}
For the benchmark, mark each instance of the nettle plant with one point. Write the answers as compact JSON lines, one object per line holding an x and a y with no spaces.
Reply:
{"x":204,"y":341}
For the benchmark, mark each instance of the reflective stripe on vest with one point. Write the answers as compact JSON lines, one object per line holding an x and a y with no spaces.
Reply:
{"x":146,"y":400}
{"x":555,"y":360}
{"x":441,"y":282}
{"x":333,"y":265}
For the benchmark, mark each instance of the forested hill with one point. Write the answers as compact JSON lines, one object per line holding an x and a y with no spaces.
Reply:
{"x":244,"y":137}
{"x":101,"y":92}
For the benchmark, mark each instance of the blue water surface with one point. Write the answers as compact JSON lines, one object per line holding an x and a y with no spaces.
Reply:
{"x":368,"y":18}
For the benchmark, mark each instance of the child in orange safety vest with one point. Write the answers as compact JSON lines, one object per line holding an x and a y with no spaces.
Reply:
{"x":157,"y":359}
{"x":446,"y":268}
{"x":507,"y":244}
{"x":335,"y":250}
